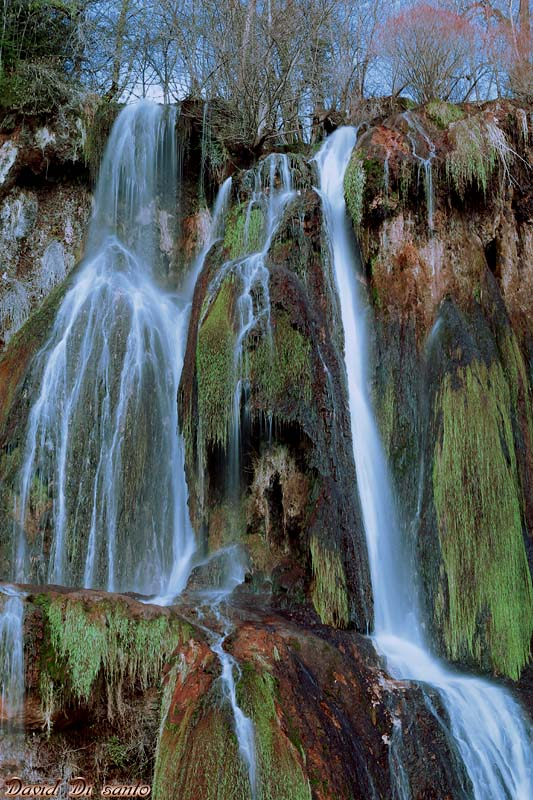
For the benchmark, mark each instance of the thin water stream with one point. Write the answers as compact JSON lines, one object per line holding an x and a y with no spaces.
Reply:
{"x":490,"y":731}
{"x":213,"y":603}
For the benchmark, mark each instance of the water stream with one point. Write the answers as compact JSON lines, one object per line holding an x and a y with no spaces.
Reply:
{"x":11,"y":652}
{"x":424,"y":162}
{"x":271,"y":185}
{"x":213,"y":602}
{"x":491,"y":734}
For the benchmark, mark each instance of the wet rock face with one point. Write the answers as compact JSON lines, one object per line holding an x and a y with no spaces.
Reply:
{"x":91,"y":707}
{"x":106,"y":673}
{"x":294,"y":507}
{"x":328,"y":722}
{"x":449,"y":272}
{"x":44,"y":209}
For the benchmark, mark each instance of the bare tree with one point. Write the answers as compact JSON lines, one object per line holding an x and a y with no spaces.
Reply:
{"x":430,"y":50}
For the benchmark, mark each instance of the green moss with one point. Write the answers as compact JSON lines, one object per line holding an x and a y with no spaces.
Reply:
{"x":215,"y":368}
{"x":354,"y":187}
{"x":474,"y":157}
{"x":85,"y":640}
{"x":443,"y":114}
{"x":386,"y":416}
{"x":279,"y":761}
{"x":515,"y":370}
{"x":117,"y":753}
{"x":374,"y":174}
{"x":198,"y":755}
{"x":476,"y":496}
{"x":244,"y":231}
{"x":330,"y":593}
{"x":280,"y":368}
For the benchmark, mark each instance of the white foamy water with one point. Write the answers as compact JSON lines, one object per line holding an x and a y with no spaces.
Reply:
{"x":102,"y":443}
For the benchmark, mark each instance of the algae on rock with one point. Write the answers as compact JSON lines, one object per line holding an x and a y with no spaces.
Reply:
{"x":354,"y":188}
{"x":330,"y":593}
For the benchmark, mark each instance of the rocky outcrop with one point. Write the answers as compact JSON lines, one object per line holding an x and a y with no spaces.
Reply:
{"x":440,"y":200}
{"x":326,"y":719}
{"x":44,"y":207}
{"x":93,"y":671}
{"x":105,"y":672}
{"x":293,"y":502}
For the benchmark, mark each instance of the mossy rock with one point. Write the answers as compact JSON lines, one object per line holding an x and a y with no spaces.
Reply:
{"x":443,"y":114}
{"x":244,"y":231}
{"x":280,"y":368}
{"x":197,"y":753}
{"x":280,"y":760}
{"x":474,"y":156}
{"x":330,"y":592}
{"x":84,"y":640}
{"x":215,"y":367}
{"x":477,"y":501}
{"x":354,"y":188}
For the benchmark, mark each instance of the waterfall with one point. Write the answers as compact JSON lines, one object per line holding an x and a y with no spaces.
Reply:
{"x":181,"y":569}
{"x":102,"y":443}
{"x":425,"y":163}
{"x":491,"y":734}
{"x":103,"y":450}
{"x":11,"y":652}
{"x":271,"y":195}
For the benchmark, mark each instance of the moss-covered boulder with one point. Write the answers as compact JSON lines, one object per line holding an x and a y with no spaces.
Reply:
{"x":94,"y":665}
{"x":472,"y":538}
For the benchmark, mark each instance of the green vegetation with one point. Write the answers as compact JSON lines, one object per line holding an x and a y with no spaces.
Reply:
{"x":197,"y":753}
{"x":38,"y":44}
{"x":117,"y":753}
{"x":478,"y":147}
{"x":279,"y":759}
{"x":443,"y":114}
{"x":330,"y":593}
{"x":215,"y":368}
{"x":281,"y":367}
{"x":515,"y":370}
{"x":385,"y":410}
{"x":239,"y":238}
{"x":84,"y":641}
{"x":477,"y":501}
{"x":354,"y":187}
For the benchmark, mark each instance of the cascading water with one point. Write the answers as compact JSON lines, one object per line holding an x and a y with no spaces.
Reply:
{"x":103,"y":449}
{"x":492,"y":736}
{"x":176,"y":580}
{"x":11,"y":652}
{"x":102,"y":442}
{"x":271,"y":191}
